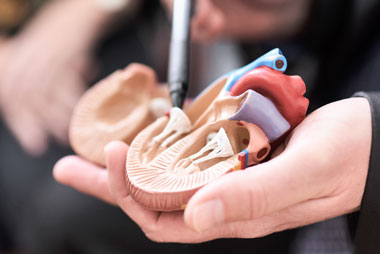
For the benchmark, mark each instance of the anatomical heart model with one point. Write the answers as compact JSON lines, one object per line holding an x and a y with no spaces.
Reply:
{"x":230,"y":126}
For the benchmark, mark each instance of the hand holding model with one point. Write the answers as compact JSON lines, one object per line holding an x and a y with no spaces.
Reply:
{"x":300,"y":186}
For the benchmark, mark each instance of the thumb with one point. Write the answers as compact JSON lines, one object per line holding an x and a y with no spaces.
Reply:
{"x":249,"y":194}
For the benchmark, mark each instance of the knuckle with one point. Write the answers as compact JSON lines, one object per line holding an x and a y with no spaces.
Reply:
{"x":153,"y":233}
{"x":153,"y":229}
{"x":153,"y":237}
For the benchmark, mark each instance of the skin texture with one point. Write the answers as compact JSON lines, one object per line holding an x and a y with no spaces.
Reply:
{"x":318,"y":173}
{"x":257,"y":19}
{"x":44,"y":70}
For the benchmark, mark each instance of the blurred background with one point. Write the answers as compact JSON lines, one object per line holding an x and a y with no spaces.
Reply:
{"x":51,"y":51}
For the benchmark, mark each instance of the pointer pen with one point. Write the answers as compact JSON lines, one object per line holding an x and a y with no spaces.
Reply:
{"x":178,"y":73}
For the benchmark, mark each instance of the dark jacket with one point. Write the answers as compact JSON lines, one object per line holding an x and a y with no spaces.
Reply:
{"x":345,"y":43}
{"x":338,"y":54}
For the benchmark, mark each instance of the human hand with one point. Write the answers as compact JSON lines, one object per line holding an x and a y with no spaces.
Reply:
{"x":38,"y":89}
{"x":43,"y":72}
{"x":320,"y":174}
{"x":246,"y":19}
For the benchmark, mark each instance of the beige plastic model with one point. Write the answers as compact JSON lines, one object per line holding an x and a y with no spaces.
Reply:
{"x":116,"y":108}
{"x":175,"y":156}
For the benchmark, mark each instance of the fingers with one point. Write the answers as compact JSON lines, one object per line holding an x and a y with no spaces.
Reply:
{"x":161,"y":227}
{"x":208,"y":22}
{"x":249,"y":194}
{"x":56,"y":108}
{"x":304,"y":213}
{"x":84,"y":177}
{"x":145,"y":218}
{"x":47,"y":97}
{"x":170,"y":227}
{"x":54,"y":118}
{"x":116,"y":153}
{"x":301,"y":214}
{"x":167,"y":226}
{"x":27,"y":130}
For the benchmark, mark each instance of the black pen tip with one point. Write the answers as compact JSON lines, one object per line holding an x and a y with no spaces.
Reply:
{"x":177,"y":99}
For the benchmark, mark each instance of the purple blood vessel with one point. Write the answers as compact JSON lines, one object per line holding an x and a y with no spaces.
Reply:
{"x":261,"y":111}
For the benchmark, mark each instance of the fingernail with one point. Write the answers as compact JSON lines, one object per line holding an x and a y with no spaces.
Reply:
{"x":208,"y":215}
